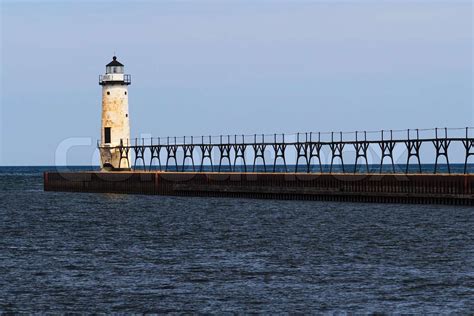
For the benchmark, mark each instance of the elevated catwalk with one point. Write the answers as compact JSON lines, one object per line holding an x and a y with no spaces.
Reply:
{"x":455,"y":189}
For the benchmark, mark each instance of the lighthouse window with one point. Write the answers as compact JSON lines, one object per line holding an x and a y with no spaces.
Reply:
{"x":107,"y":135}
{"x":125,"y":92}
{"x":108,"y":92}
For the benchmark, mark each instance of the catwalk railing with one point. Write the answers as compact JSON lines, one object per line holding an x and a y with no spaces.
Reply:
{"x":265,"y":151}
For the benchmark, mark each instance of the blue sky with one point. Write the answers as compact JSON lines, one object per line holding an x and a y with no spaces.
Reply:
{"x":220,"y":67}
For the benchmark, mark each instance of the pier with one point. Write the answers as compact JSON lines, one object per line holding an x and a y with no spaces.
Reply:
{"x":167,"y":166}
{"x":384,"y":166}
{"x":379,"y":188}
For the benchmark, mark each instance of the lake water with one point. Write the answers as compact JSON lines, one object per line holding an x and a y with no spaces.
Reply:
{"x":77,"y":252}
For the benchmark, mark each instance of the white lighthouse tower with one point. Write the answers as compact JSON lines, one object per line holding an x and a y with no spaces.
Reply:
{"x":115,"y":120}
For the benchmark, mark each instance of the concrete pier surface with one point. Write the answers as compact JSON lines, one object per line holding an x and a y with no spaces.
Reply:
{"x":456,"y":189}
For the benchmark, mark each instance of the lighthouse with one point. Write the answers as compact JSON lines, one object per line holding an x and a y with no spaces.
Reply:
{"x":115,"y":121}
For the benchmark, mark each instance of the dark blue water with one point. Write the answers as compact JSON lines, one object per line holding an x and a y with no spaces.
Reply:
{"x":72,"y":252}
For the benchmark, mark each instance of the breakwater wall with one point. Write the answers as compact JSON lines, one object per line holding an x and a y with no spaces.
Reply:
{"x":456,"y":189}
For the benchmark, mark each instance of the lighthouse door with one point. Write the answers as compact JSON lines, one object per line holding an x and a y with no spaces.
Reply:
{"x":107,"y":135}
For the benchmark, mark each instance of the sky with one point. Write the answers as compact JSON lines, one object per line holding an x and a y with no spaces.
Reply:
{"x":229,"y":67}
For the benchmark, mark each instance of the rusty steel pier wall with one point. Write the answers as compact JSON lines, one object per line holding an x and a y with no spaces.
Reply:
{"x":456,"y":189}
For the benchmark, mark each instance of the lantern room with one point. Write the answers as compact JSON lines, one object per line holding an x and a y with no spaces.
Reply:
{"x":114,"y":74}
